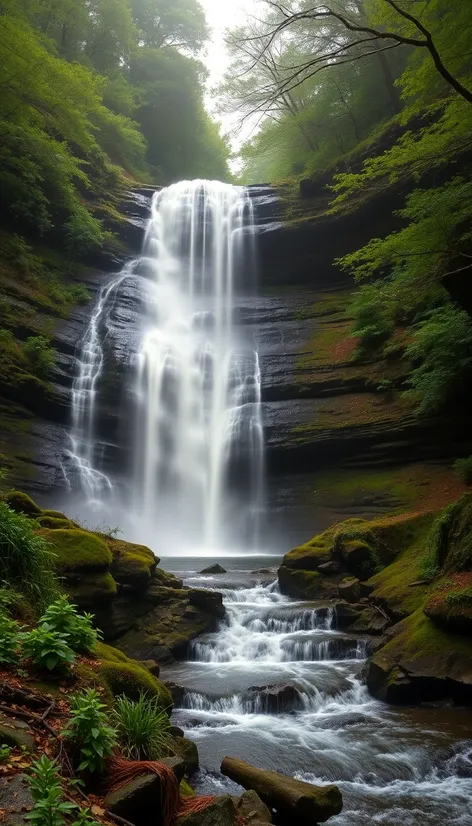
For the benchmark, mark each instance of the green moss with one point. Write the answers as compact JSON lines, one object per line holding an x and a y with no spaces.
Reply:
{"x":54,"y":523}
{"x":299,"y":584}
{"x":186,"y":790}
{"x":451,"y":537}
{"x":78,"y":550}
{"x":22,"y":503}
{"x":418,"y":637}
{"x":91,"y":590}
{"x":132,"y":564}
{"x":450,"y":603}
{"x":131,"y":679}
{"x":54,"y":514}
{"x":109,"y":654}
{"x":393,"y":583}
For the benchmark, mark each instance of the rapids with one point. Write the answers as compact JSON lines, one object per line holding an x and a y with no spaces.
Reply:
{"x":394,"y":766}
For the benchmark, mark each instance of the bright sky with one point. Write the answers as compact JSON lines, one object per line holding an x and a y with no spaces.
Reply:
{"x":222,"y":14}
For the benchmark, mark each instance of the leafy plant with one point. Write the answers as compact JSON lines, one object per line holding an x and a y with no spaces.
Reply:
{"x":463,"y":468}
{"x":10,"y":637}
{"x":40,"y":354}
{"x":48,"y":649}
{"x":26,"y":562}
{"x":90,"y":732}
{"x":84,"y":818}
{"x":49,"y":807}
{"x":5,"y":752}
{"x":61,"y":616}
{"x":143,"y":727}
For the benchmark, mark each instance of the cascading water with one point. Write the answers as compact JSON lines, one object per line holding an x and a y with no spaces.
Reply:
{"x":280,"y":686}
{"x":193,"y":468}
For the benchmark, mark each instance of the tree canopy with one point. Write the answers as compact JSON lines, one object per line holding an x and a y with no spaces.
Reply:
{"x":94,"y":88}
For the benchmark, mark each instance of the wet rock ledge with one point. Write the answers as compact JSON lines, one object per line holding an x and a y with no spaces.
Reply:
{"x":407,"y":579}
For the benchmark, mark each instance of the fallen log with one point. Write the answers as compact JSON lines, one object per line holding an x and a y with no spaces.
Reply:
{"x":304,"y":803}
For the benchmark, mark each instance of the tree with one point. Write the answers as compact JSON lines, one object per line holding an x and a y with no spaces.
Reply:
{"x":177,"y":23}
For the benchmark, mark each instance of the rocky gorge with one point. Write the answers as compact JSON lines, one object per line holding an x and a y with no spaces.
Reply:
{"x":379,"y":598}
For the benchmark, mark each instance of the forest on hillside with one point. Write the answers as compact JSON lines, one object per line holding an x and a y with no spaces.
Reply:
{"x":94,"y":91}
{"x":365,"y":97}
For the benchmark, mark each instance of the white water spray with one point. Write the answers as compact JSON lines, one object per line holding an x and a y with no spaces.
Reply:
{"x":195,"y":467}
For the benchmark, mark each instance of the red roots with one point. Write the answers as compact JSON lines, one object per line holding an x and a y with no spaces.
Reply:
{"x":173,"y":806}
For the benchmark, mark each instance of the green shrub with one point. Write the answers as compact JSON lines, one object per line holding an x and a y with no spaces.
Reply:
{"x":61,"y":616}
{"x":79,"y":293}
{"x":9,"y":640}
{"x":26,"y":561}
{"x":5,"y":752}
{"x":90,"y":732}
{"x":49,"y":808}
{"x":48,"y":649}
{"x":40,"y":354}
{"x":83,"y":232}
{"x":463,"y":468}
{"x":143,"y":727}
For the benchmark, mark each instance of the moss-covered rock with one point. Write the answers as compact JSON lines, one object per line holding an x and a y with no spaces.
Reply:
{"x":91,"y":590}
{"x":131,"y":679}
{"x":55,"y":514}
{"x":421,"y":662}
{"x":77,"y":550}
{"x":186,"y":790}
{"x":22,"y":503}
{"x":300,"y":584}
{"x":132,"y":565}
{"x":55,"y":523}
{"x":450,"y":604}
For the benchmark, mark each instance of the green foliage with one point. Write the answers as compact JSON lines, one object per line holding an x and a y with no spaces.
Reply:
{"x":9,"y":640}
{"x":143,"y":727}
{"x":74,"y":115}
{"x":40,"y":355}
{"x":48,"y":649}
{"x":5,"y":752}
{"x":463,"y":468}
{"x":49,"y":808}
{"x":61,"y":616}
{"x":90,"y":732}
{"x":26,"y":561}
{"x":442,"y":350}
{"x":83,"y":233}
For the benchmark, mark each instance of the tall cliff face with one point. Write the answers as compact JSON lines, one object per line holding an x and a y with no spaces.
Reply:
{"x":334,"y":439}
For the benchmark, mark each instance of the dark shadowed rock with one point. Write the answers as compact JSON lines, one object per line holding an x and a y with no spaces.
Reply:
{"x":214,"y":569}
{"x":15,"y":800}
{"x":210,"y":601}
{"x":139,"y":801}
{"x":275,"y":698}
{"x":350,"y":591}
{"x":252,"y":809}
{"x":187,"y":750}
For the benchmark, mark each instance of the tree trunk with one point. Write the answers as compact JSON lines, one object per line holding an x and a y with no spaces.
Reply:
{"x":303,"y":803}
{"x":392,"y":90}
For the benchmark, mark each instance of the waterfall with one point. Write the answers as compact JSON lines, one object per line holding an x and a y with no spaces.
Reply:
{"x":192,"y":471}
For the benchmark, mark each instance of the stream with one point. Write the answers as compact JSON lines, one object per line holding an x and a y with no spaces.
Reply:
{"x":409,"y":766}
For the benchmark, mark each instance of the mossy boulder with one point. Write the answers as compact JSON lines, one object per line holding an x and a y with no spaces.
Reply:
{"x":132,"y":565}
{"x":421,"y":662}
{"x":450,"y":604}
{"x":55,"y":514}
{"x":300,"y":584}
{"x":77,"y":550}
{"x":91,"y":590}
{"x":131,"y":679}
{"x":22,"y":503}
{"x":55,"y":523}
{"x":357,"y":546}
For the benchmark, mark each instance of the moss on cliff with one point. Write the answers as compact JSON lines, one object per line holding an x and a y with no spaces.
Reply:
{"x":78,"y":550}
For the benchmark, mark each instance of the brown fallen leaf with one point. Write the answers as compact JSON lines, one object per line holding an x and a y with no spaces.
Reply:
{"x":97,"y":810}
